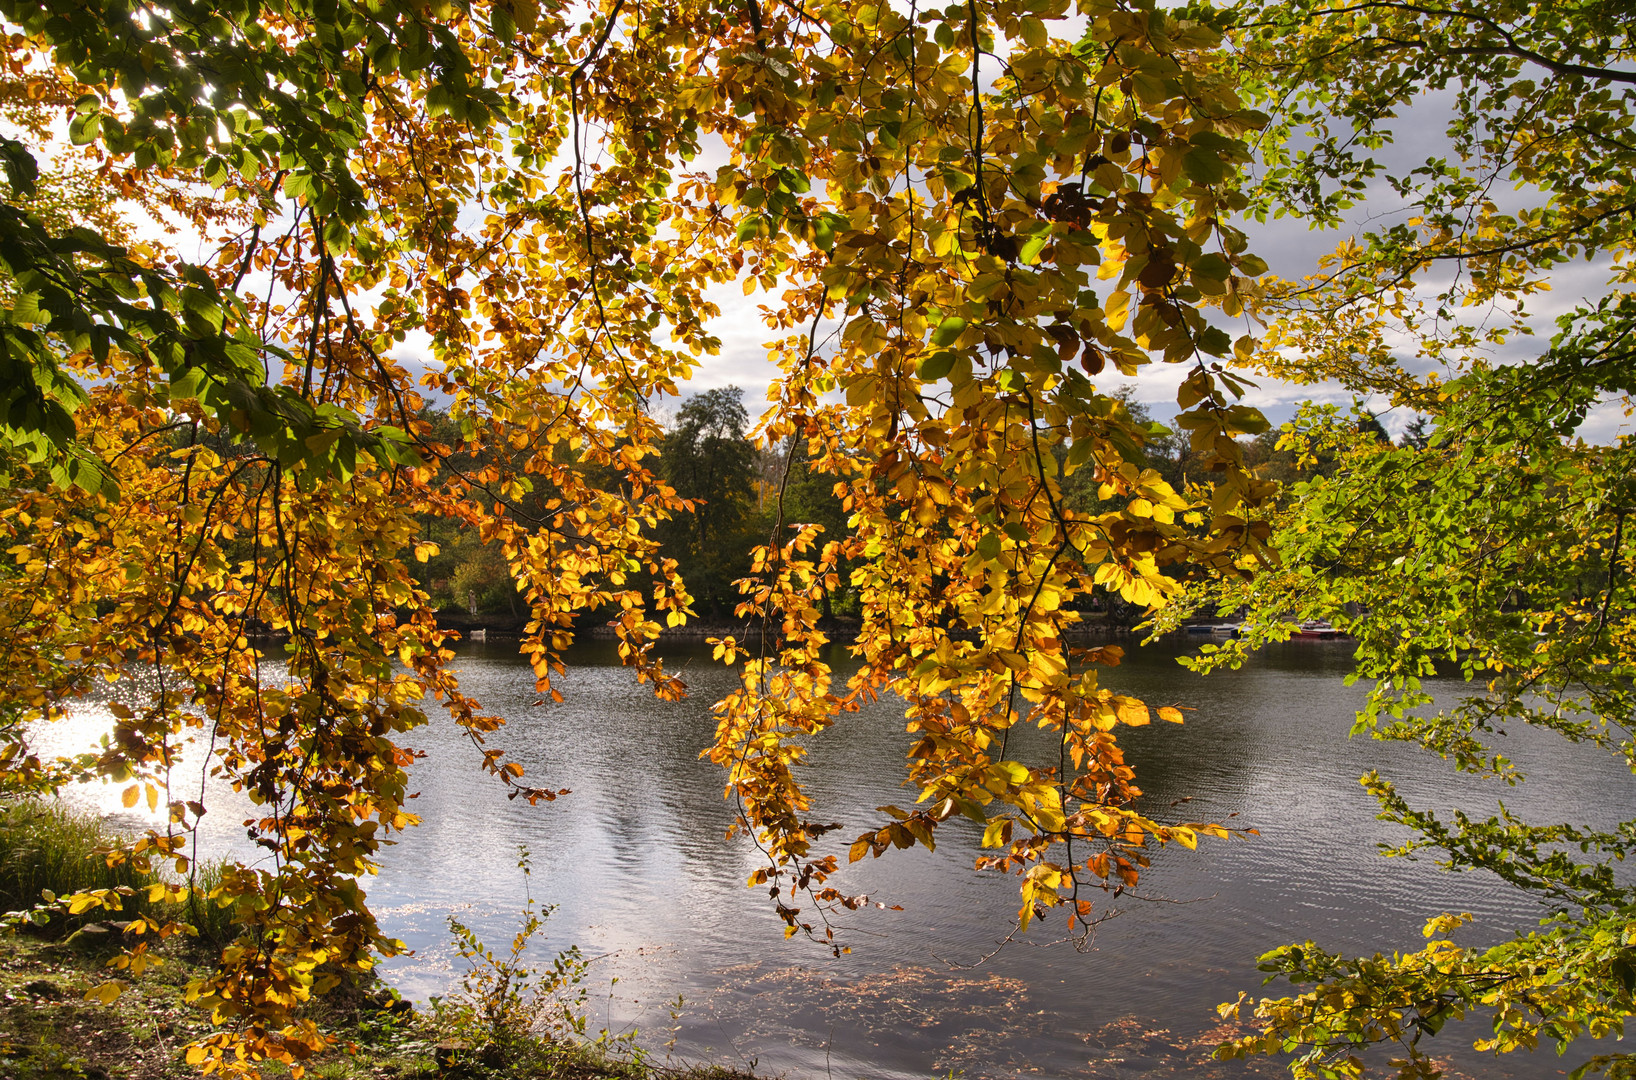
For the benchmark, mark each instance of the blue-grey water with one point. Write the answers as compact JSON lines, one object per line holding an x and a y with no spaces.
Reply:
{"x":642,"y":876}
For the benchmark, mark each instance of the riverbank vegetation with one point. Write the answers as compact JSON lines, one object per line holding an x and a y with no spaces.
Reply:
{"x":1495,"y":540}
{"x":706,"y":456}
{"x":737,"y":487}
{"x":319,"y":316}
{"x":50,"y":1029}
{"x":509,"y":1014}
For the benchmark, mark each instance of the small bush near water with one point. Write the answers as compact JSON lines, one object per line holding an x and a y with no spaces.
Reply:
{"x":508,"y":1019}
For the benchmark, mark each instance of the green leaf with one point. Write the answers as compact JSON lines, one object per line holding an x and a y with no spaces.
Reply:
{"x":26,"y":309}
{"x":935,"y":366}
{"x":949,"y":330}
{"x":1204,"y":167}
{"x":823,"y":233}
{"x":503,"y":25}
{"x":84,"y":128}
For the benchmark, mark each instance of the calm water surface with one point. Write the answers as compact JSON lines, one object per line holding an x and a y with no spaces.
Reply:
{"x":637,"y":864}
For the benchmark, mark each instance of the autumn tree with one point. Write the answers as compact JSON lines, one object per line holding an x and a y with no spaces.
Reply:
{"x":958,"y":220}
{"x":708,"y":459}
{"x":1496,"y":539}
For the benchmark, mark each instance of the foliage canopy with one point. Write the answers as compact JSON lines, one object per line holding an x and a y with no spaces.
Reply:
{"x":962,"y":222}
{"x":958,"y":217}
{"x":1497,"y":541}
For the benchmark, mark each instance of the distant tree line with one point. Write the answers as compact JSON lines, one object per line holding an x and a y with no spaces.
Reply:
{"x":734,"y":488}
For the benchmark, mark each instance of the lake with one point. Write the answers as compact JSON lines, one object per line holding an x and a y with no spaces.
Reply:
{"x":636,"y":863}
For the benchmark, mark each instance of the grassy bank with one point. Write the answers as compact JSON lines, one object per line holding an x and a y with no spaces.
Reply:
{"x":44,"y":846}
{"x":49,"y":1031}
{"x":49,"y":848}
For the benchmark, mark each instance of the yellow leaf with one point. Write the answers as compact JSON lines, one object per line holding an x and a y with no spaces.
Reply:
{"x":107,"y":993}
{"x":1116,"y":308}
{"x":1014,"y":660}
{"x":1171,"y":714}
{"x":131,"y":794}
{"x":1132,"y":712}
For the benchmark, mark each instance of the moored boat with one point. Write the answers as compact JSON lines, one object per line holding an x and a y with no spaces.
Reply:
{"x":1316,"y":628}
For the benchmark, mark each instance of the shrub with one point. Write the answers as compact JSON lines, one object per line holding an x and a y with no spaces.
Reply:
{"x":505,"y":1011}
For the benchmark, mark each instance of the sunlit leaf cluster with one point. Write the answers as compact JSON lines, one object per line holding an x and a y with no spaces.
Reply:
{"x":221,"y":469}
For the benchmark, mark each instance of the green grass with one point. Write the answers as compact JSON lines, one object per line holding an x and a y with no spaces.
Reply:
{"x":46,"y":846}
